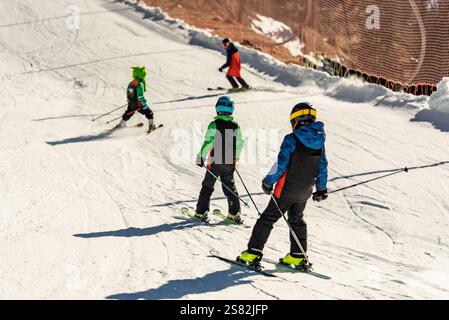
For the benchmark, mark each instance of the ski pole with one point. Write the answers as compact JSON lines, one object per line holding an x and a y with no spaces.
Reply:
{"x":109,"y":112}
{"x":126,"y":114}
{"x":292,"y":231}
{"x":247,"y":191}
{"x":371,"y":180}
{"x":227,"y":188}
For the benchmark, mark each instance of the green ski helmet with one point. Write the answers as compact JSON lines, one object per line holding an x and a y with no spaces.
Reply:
{"x":140,"y":73}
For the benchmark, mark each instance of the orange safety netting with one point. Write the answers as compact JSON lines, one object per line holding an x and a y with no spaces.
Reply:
{"x":401,"y":42}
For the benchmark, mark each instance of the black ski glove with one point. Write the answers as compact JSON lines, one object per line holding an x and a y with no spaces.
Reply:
{"x":221,"y":69}
{"x":268,"y":189}
{"x":200,"y":161}
{"x":320,"y":195}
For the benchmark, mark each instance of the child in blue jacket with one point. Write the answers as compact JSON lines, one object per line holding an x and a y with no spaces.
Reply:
{"x":301,"y":165}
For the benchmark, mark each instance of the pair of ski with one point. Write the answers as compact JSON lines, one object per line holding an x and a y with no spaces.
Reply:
{"x":216,"y":213}
{"x":259,"y":269}
{"x":215,"y":254}
{"x":139,"y":125}
{"x":237,"y":90}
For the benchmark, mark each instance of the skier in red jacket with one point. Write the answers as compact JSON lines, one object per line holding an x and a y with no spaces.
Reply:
{"x":234,"y":64}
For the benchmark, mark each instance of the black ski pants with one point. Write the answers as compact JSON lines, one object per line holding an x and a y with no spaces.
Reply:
{"x":131,"y":111}
{"x":234,"y":83}
{"x":226,"y":174}
{"x":270,"y":216}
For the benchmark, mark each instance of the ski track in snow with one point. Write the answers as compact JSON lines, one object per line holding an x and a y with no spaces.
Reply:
{"x":93,"y":215}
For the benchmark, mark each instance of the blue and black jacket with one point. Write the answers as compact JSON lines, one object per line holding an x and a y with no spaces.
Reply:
{"x":301,"y":164}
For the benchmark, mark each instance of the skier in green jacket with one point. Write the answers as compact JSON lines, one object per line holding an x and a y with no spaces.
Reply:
{"x":220,"y":152}
{"x":136,"y":99}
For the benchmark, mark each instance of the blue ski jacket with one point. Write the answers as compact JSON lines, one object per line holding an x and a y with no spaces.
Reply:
{"x":301,"y":163}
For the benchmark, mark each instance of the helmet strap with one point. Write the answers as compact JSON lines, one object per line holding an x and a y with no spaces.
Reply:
{"x":295,"y":125}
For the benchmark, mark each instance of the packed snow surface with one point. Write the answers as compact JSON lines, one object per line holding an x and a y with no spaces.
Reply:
{"x":86,"y":214}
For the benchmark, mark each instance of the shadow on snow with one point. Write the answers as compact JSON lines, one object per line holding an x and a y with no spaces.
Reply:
{"x":139,"y":232}
{"x":91,"y":138}
{"x":177,"y":289}
{"x":438,"y":119}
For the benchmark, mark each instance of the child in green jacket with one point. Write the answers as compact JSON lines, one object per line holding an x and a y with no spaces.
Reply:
{"x":136,"y":99}
{"x":220,"y":152}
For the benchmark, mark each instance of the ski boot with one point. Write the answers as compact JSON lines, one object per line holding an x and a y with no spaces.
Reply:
{"x":250,"y":259}
{"x":121,"y":125}
{"x":151,"y":126}
{"x":235,"y":218}
{"x":296,"y":261}
{"x":234,"y":90}
{"x":203,"y":217}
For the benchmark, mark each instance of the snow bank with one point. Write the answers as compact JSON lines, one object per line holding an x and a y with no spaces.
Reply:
{"x":350,"y":90}
{"x":353,"y":90}
{"x":439,"y":100}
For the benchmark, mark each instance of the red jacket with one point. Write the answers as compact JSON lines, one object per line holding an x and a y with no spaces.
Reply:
{"x":233,"y":61}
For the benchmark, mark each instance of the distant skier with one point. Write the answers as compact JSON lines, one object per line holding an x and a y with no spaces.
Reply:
{"x":136,"y":99}
{"x":234,"y":65}
{"x":221,"y":149}
{"x":301,"y":164}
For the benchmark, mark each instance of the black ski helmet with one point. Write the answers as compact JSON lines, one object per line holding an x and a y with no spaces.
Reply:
{"x":303,"y":113}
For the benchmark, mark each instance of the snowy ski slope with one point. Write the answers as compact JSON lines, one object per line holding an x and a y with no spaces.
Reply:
{"x":88,"y":215}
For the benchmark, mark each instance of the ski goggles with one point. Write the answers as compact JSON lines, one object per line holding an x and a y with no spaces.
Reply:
{"x":303,"y":113}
